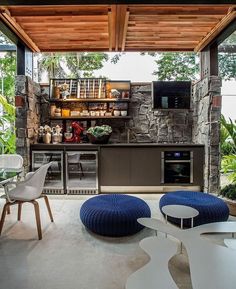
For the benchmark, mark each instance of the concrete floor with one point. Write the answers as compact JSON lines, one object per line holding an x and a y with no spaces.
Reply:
{"x":69,"y":256}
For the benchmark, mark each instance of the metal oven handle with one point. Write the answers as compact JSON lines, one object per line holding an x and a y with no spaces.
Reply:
{"x":177,"y":161}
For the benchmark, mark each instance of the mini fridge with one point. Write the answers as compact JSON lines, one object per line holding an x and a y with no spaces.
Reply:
{"x":81,"y":172}
{"x":54,"y":183}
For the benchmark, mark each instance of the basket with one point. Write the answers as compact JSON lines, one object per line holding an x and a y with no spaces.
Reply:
{"x":98,"y":140}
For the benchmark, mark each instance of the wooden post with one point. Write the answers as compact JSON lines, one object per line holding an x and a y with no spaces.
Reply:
{"x":209,"y":61}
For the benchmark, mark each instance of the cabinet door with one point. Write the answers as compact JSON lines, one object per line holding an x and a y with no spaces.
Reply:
{"x":145,"y":167}
{"x":115,"y":166}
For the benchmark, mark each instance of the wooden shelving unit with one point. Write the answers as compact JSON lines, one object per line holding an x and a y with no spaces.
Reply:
{"x":106,"y":95}
{"x":54,"y":100}
{"x":89,"y":117}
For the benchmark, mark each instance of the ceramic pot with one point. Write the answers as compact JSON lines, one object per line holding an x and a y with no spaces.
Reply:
{"x":47,"y":137}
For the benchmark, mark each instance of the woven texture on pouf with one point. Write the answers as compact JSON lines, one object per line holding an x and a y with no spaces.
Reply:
{"x":211,"y":209}
{"x":114,"y":215}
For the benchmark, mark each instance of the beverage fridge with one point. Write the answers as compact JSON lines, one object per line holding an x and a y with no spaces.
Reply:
{"x":54,"y":182}
{"x":81,"y":172}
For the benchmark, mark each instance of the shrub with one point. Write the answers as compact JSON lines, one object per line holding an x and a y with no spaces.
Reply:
{"x":229,"y":191}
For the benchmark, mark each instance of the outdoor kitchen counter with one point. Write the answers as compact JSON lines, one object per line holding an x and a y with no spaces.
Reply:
{"x":89,"y":146}
{"x":139,"y":167}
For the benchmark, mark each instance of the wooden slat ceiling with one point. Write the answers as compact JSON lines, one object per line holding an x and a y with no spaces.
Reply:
{"x":117,"y":27}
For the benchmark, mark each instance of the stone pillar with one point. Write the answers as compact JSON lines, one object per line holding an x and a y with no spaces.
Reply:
{"x":206,"y":127}
{"x":27,"y":115}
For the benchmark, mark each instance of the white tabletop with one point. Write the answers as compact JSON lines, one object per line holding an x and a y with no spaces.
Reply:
{"x":180,"y":211}
{"x":212,"y":266}
{"x":230,"y":243}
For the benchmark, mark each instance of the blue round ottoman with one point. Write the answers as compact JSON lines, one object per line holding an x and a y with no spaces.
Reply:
{"x":211,"y":209}
{"x":114,"y":215}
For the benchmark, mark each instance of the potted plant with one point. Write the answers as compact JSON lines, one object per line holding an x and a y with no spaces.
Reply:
{"x":229,"y":196}
{"x":228,"y":163}
{"x":99,"y":134}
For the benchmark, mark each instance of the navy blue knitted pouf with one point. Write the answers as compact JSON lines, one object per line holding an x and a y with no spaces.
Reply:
{"x":114,"y":215}
{"x":211,"y":209}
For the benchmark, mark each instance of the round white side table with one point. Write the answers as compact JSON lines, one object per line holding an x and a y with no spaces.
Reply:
{"x":180,"y":212}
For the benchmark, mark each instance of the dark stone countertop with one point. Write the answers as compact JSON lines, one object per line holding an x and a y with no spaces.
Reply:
{"x":89,"y":146}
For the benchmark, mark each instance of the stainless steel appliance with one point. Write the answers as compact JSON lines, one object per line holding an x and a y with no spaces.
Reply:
{"x":82,"y":172}
{"x":177,"y":167}
{"x":54,"y":180}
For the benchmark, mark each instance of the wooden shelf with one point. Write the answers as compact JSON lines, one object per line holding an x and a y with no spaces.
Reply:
{"x":89,"y":100}
{"x":89,"y":117}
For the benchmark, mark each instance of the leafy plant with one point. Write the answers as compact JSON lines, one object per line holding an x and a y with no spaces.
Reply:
{"x":228,"y":148}
{"x":227,"y":136}
{"x":229,"y":191}
{"x":7,"y":130}
{"x":177,"y":66}
{"x":99,"y":131}
{"x":70,"y":65}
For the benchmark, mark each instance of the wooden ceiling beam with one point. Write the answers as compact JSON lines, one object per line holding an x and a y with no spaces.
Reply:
{"x":112,"y":27}
{"x":220,"y":26}
{"x":6,"y":17}
{"x":125,"y":31}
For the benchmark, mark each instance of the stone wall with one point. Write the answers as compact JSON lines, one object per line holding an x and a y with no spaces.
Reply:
{"x":206,"y":127}
{"x":27,"y":115}
{"x":162,"y":126}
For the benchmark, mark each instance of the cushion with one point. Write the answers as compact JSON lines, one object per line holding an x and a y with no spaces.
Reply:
{"x":114,"y":215}
{"x":210,"y":208}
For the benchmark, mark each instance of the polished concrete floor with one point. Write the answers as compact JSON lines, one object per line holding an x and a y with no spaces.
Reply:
{"x":70,"y":257}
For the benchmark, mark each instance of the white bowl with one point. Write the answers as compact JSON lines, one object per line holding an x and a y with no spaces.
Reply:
{"x":123,"y":113}
{"x":68,"y":135}
{"x":116,"y":113}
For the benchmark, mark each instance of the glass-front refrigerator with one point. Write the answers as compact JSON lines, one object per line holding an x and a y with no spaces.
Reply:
{"x":54,"y":183}
{"x":82,"y":172}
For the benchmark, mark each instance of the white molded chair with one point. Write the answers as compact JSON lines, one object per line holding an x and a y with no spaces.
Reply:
{"x":28,"y":191}
{"x":11,"y":162}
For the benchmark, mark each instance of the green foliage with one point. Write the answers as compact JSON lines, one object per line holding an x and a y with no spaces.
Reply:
{"x":8,"y":72}
{"x":227,"y":65}
{"x":228,"y":136}
{"x":228,"y":148}
{"x":177,"y":66}
{"x":228,"y":165}
{"x":99,"y":131}
{"x":7,"y":131}
{"x":70,"y":65}
{"x":229,"y":191}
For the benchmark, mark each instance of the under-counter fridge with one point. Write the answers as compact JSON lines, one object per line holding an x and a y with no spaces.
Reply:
{"x":54,"y":182}
{"x":81,"y":172}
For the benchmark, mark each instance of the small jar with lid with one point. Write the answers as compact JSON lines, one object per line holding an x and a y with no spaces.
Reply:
{"x":52,"y":110}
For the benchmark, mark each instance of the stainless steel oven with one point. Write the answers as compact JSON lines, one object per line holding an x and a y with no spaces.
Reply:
{"x":177,"y":167}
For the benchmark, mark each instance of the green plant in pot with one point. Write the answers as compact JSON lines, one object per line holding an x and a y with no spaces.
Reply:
{"x":228,"y":192}
{"x":228,"y":163}
{"x":99,"y":134}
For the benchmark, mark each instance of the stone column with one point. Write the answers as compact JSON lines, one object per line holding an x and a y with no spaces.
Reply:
{"x":27,"y":115}
{"x":206,"y":127}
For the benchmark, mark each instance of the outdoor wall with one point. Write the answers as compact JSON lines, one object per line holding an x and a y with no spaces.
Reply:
{"x":206,"y":127}
{"x":27,"y":115}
